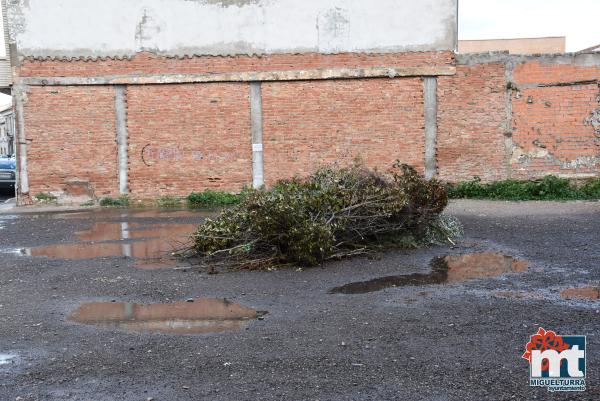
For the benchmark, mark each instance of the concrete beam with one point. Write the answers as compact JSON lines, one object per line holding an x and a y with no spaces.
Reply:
{"x":122,"y":135}
{"x":258,"y":179}
{"x":430,"y":106}
{"x":263,"y":76}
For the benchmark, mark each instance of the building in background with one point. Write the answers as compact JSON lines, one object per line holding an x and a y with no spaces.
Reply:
{"x":545,"y":45}
{"x":7,"y":126}
{"x":5,"y":62}
{"x":7,"y":118}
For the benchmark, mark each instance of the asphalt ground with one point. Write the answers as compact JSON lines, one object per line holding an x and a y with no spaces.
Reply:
{"x":454,"y":340}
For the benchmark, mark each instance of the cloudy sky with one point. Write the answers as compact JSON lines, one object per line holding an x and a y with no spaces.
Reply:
{"x":578,"y":20}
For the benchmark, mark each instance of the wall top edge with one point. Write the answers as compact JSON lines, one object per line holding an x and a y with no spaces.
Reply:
{"x":580,"y":59}
{"x":183,"y":56}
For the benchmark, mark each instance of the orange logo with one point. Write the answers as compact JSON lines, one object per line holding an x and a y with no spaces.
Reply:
{"x":544,"y":340}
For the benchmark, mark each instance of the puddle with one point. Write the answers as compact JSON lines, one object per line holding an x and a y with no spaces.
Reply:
{"x":6,"y":358}
{"x":199,"y":317}
{"x":148,"y":242}
{"x":581,"y":293}
{"x":105,"y":231}
{"x":447,"y":269}
{"x":162,"y":213}
{"x":136,"y":213}
{"x":146,"y":249}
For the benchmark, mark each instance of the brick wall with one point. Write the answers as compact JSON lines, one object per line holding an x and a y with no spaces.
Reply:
{"x":71,"y":139}
{"x":550,"y":135}
{"x":536,"y":128}
{"x":189,"y":137}
{"x":549,"y":72}
{"x":312,"y":123}
{"x":471,"y":123}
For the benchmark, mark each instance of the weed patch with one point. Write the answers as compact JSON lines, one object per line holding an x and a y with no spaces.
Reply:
{"x":121,"y":201}
{"x":46,"y":197}
{"x":210,"y":198}
{"x":547,"y":188}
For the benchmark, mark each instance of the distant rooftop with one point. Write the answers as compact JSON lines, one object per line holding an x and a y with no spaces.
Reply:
{"x":543,"y":45}
{"x":592,"y":49}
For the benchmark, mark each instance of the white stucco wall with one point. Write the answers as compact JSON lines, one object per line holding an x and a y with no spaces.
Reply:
{"x":185,"y":27}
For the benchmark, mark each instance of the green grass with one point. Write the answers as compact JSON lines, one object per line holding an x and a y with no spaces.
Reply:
{"x":168,"y":202}
{"x":121,"y":201}
{"x":45,"y":197}
{"x":547,"y":188}
{"x":210,"y":198}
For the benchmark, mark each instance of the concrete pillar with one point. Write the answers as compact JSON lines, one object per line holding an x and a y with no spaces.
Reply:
{"x":21,"y":148}
{"x":430,"y":105}
{"x":121,"y":113}
{"x":258,"y":179}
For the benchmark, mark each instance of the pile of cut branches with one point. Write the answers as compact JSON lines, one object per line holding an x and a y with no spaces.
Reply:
{"x":334,"y":213}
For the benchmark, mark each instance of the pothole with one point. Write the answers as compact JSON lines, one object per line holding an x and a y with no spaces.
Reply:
{"x":198,"y":316}
{"x":446,"y":269}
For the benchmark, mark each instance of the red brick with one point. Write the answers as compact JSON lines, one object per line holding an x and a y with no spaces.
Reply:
{"x":71,"y":135}
{"x":312,"y":123}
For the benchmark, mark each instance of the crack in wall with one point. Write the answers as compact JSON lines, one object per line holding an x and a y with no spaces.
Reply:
{"x":524,"y":158}
{"x":594,"y":120}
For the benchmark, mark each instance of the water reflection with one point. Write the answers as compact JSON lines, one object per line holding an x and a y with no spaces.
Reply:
{"x":581,"y":293}
{"x":201,"y":316}
{"x":139,"y":241}
{"x":447,"y":269}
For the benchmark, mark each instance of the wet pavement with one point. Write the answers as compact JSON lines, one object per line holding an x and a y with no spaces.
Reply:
{"x":80,"y":320}
{"x":6,"y":359}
